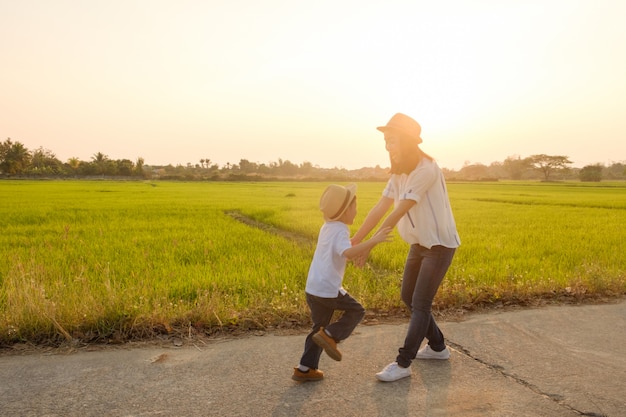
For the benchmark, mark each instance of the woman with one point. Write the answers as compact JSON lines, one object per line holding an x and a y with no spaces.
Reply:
{"x":422,"y":212}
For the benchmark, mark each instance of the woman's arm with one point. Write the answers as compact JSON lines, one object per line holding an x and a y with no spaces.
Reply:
{"x":371,"y":220}
{"x":394,"y":217}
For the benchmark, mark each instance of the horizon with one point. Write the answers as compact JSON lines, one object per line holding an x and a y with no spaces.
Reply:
{"x":297,"y":163}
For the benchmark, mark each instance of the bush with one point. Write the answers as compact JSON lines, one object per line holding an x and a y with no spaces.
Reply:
{"x":591,"y":173}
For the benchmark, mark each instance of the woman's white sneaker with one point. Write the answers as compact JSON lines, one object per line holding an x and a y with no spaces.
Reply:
{"x":393,"y":372}
{"x":427,"y":353}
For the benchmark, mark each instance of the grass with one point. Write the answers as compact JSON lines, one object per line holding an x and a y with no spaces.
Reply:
{"x":108,"y":261}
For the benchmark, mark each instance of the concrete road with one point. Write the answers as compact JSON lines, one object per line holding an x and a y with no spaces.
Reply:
{"x":552,"y":361}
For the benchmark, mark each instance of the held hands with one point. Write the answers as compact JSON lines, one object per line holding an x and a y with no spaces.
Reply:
{"x":382,"y":235}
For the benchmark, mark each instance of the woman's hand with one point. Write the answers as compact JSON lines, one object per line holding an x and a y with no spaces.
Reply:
{"x":382,"y":235}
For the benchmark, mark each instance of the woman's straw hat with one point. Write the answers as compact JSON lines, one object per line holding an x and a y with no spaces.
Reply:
{"x":405,"y":126}
{"x":336,"y":199}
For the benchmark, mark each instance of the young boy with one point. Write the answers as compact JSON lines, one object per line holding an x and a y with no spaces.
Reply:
{"x":324,"y":291}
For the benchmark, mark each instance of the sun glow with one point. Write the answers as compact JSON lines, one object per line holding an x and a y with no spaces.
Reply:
{"x":262,"y":81}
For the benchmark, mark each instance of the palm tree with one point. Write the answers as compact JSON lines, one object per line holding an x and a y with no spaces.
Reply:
{"x":16,"y":157}
{"x":100,"y":159}
{"x":73,"y":162}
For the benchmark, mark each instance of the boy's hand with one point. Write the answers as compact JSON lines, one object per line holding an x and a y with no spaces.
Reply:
{"x":360,"y":260}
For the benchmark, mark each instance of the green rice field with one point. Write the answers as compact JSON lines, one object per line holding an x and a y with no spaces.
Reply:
{"x":105,"y":261}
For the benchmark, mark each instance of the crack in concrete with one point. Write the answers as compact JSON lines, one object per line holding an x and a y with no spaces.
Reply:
{"x":557,"y":398}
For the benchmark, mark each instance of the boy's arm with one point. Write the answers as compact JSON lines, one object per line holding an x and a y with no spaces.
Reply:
{"x":382,"y":235}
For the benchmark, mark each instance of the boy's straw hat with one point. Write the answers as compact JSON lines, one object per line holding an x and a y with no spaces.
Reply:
{"x":336,"y":199}
{"x":404,"y":125}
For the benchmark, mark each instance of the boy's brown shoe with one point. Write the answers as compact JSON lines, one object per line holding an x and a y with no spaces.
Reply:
{"x":327,"y":343}
{"x":310,"y":375}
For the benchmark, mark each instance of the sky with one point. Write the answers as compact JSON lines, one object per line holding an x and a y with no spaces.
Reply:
{"x":174,"y":82}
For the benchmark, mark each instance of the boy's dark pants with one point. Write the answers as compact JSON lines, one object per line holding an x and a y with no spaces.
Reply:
{"x":322,"y":310}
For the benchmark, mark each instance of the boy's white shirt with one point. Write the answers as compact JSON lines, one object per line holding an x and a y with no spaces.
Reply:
{"x":430,"y":221}
{"x":329,"y":265}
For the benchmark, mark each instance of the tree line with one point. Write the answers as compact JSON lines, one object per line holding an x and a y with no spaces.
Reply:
{"x":539,"y":167}
{"x":16,"y":160}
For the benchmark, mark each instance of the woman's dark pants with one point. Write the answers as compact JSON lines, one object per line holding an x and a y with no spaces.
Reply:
{"x":423,"y":273}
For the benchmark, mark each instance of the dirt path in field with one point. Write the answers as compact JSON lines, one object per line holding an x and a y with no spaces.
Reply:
{"x":299,"y":239}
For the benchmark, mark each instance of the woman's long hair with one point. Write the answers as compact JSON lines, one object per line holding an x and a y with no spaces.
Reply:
{"x":411,"y":156}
